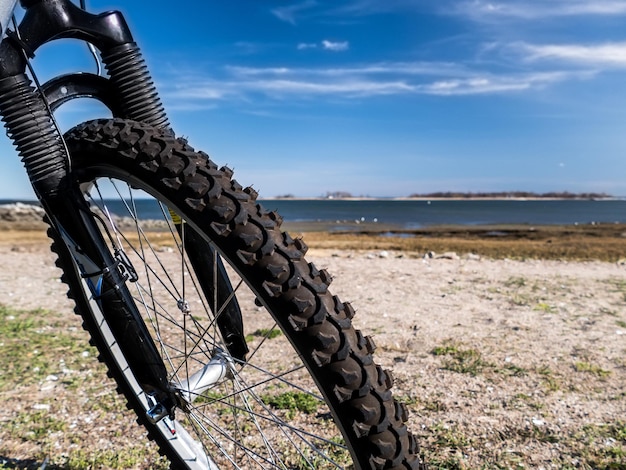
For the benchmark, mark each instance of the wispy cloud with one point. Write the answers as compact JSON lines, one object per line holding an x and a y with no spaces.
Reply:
{"x":494,"y":84}
{"x":367,"y":81}
{"x":325,"y":45}
{"x":290,"y":13}
{"x":484,"y":10}
{"x":373,"y":7}
{"x":328,"y":10}
{"x":608,"y":55}
{"x":479,"y":10}
{"x":335,"y":46}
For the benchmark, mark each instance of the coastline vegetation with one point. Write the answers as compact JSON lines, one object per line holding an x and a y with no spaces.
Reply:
{"x":602,"y":242}
{"x":464,"y":195}
{"x":511,"y":195}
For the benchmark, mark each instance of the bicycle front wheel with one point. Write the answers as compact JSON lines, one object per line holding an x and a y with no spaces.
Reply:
{"x":304,"y":393}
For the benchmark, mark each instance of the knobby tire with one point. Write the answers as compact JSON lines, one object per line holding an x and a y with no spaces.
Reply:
{"x":295,"y":293}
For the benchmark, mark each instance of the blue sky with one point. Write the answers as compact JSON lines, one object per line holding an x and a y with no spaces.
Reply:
{"x":384,"y":97}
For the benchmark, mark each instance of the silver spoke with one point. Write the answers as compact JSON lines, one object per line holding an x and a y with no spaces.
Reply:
{"x":234,"y":418}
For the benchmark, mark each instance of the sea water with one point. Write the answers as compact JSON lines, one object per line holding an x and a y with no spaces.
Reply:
{"x":413,"y":214}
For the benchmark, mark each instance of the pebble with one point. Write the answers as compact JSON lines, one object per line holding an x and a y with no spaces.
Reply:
{"x":448,"y":255}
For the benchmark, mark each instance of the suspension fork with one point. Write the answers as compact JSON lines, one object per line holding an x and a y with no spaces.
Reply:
{"x":30,"y":126}
{"x":130,"y":93}
{"x":26,"y":116}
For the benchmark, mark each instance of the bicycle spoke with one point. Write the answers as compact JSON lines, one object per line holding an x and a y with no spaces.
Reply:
{"x":236,"y":426}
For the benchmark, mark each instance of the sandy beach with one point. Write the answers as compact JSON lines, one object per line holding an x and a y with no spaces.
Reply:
{"x":502,"y":363}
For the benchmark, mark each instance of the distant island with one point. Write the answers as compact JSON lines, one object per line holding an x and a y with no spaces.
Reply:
{"x":465,"y":195}
{"x":510,"y":195}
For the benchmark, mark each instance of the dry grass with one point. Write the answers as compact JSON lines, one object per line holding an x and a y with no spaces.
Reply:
{"x":597,"y":242}
{"x":603,"y":242}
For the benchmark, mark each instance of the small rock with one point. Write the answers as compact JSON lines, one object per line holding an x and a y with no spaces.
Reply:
{"x":448,"y":255}
{"x":383,"y":254}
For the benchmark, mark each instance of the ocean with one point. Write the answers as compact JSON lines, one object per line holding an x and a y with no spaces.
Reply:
{"x":414,"y":214}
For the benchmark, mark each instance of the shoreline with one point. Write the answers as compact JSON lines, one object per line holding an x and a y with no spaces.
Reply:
{"x":392,"y":198}
{"x":424,"y":198}
{"x":602,"y":242}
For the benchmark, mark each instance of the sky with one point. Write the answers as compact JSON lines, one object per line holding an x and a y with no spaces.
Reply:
{"x":381,"y":97}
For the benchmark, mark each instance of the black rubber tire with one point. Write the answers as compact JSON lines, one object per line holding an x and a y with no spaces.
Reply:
{"x":317,"y":324}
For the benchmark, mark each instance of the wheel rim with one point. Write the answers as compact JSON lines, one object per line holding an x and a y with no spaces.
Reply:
{"x":262,"y":413}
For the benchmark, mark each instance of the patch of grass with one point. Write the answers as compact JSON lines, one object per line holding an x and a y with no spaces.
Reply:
{"x":515,"y":281}
{"x":35,"y":425}
{"x":438,"y":462}
{"x":39,"y":344}
{"x":292,"y":402}
{"x":551,"y":382}
{"x":450,"y":437}
{"x":514,"y":370}
{"x":415,"y":403}
{"x":529,"y":401}
{"x":582,"y":366}
{"x":544,"y":307}
{"x":621,"y":323}
{"x":333,"y":449}
{"x":602,"y":446}
{"x":209,"y":397}
{"x":269,"y":333}
{"x":459,"y":359}
{"x":114,"y":459}
{"x":541,"y":433}
{"x":35,"y":346}
{"x":521,"y":300}
{"x":444,"y":350}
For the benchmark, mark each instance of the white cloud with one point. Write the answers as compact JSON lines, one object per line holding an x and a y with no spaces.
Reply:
{"x":335,"y":46}
{"x":326,"y":45}
{"x":289,"y":13}
{"x":482,"y":10}
{"x":373,"y":69}
{"x":373,"y":7}
{"x":608,"y":55}
{"x":369,"y":80}
{"x":492,"y":84}
{"x":346,"y":88}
